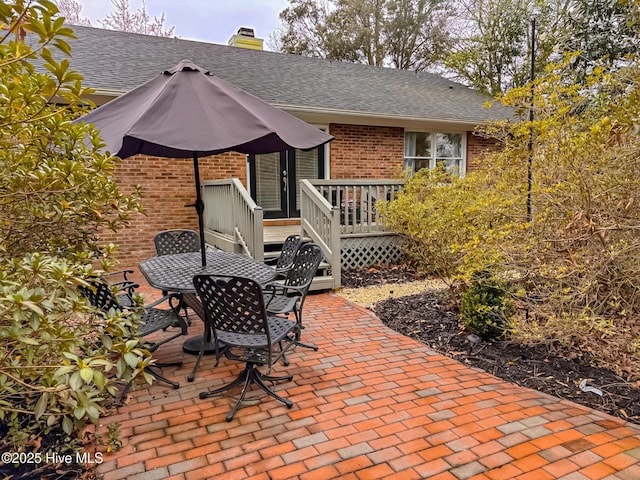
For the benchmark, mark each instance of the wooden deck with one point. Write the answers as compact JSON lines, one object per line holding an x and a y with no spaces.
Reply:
{"x":277,"y":234}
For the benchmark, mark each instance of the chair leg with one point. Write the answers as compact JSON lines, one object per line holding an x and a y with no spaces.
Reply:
{"x":221,"y":350}
{"x":192,"y":375}
{"x":270,"y":378}
{"x":285,"y":360}
{"x":239,"y":380}
{"x":298,"y":314}
{"x":258,"y":381}
{"x":249,"y":375}
{"x":120,"y":401}
{"x":159,"y":377}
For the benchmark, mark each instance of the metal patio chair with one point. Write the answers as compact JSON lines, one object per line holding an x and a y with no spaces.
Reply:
{"x":289,"y":296}
{"x":170,"y":242}
{"x":124,"y":286}
{"x":235,"y":311}
{"x":101,"y":296}
{"x":284,"y":261}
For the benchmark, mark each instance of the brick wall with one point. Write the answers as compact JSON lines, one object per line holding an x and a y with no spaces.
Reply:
{"x":477,"y":148}
{"x":168,"y":185}
{"x":366,"y":152}
{"x":378,"y":152}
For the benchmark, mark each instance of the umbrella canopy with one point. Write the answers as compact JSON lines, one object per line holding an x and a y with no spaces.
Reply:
{"x":188,"y":112}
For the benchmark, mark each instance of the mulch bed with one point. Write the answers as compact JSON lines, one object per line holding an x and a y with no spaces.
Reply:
{"x":428,"y":318}
{"x":35,"y":462}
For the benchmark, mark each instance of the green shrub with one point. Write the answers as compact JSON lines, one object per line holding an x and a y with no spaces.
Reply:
{"x":60,"y":360}
{"x":485,"y":307}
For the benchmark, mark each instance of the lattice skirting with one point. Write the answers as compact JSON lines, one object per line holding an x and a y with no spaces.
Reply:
{"x":362,"y":252}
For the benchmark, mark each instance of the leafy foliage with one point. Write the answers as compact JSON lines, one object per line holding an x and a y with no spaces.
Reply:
{"x":604,"y":32}
{"x":407,"y":34}
{"x":575,"y":261}
{"x":485,"y":306}
{"x":59,"y":359}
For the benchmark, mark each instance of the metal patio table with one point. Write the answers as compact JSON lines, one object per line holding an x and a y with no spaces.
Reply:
{"x":174,"y":273}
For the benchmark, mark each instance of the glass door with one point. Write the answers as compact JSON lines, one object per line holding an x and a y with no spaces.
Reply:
{"x":274,"y":179}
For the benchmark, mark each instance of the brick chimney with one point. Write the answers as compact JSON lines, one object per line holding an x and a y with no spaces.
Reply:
{"x":245,"y":38}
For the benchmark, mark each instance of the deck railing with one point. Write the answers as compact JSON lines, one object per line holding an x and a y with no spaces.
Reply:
{"x":339,"y":215}
{"x":337,"y":211}
{"x":242,"y":222}
{"x":320,"y":221}
{"x":356,"y":200}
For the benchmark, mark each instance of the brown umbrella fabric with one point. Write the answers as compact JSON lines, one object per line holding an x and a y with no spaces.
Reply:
{"x":188,"y":112}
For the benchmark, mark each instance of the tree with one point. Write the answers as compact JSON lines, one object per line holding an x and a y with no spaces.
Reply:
{"x":71,"y":11}
{"x":136,"y":22}
{"x":60,"y":360}
{"x":416,"y":33}
{"x":491,"y":39}
{"x":491,"y":46}
{"x":603,"y":31}
{"x":404,"y":34}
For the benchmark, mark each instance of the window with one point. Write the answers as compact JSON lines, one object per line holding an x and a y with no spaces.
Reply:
{"x":428,"y":149}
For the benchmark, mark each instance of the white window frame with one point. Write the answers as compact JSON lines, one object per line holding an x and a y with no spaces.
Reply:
{"x":409,"y":161}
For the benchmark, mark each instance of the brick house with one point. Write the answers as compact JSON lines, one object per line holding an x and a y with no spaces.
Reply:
{"x":383,"y":120}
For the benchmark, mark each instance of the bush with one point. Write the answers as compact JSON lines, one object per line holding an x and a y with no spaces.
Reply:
{"x":60,"y":360}
{"x":445,"y":218}
{"x":575,"y":258}
{"x":485,"y":307}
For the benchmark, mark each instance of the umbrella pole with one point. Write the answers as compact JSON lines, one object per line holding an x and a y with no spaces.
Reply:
{"x":199,"y":210}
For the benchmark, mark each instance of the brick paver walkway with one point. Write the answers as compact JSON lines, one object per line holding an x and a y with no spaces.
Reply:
{"x":370,"y":404}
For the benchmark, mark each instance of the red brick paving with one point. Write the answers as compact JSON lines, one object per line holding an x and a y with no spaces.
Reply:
{"x":370,"y":404}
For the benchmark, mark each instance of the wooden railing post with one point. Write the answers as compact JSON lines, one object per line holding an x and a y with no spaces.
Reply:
{"x":336,"y":257}
{"x":258,"y":238}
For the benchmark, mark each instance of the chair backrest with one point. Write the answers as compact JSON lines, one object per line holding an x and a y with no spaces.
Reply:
{"x":305,"y":265}
{"x":233,"y":305}
{"x":169,"y":242}
{"x":289,"y":249}
{"x":101,"y":296}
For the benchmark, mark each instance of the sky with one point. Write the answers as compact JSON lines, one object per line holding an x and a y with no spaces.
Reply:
{"x":212,"y":21}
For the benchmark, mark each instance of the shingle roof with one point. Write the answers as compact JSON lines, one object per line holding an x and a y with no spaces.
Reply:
{"x":117,"y":62}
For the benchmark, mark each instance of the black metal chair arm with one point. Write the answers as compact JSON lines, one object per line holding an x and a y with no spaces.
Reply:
{"x":276,"y":288}
{"x":167,"y":298}
{"x":125,"y":274}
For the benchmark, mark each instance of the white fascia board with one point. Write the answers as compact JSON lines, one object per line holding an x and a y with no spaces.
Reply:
{"x":328,"y":116}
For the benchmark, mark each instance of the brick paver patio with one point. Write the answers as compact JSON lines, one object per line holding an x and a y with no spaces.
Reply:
{"x":370,"y":404}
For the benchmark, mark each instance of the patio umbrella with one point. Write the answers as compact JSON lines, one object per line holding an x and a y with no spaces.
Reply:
{"x":187,"y":111}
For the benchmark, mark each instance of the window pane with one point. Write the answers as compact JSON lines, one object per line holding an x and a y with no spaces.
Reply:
{"x":417,"y":144}
{"x":449,"y":145}
{"x":268,"y":181}
{"x":306,"y":167}
{"x":409,"y":164}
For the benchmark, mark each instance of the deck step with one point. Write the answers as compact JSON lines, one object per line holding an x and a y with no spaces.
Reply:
{"x":271,"y":245}
{"x":320,"y":283}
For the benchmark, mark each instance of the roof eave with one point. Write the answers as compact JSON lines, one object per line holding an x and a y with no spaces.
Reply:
{"x":319,"y":115}
{"x":327,"y":115}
